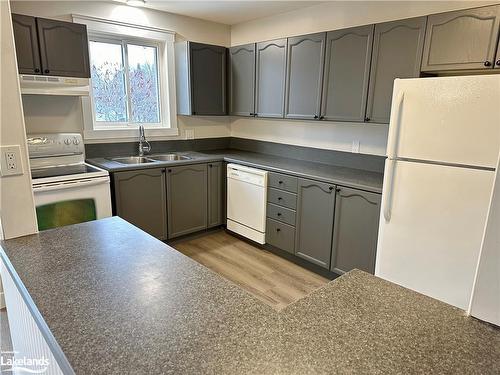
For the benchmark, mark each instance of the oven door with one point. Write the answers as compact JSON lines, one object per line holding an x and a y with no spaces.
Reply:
{"x":70,"y":202}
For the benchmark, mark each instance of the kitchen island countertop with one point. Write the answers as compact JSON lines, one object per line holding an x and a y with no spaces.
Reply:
{"x":119,"y":301}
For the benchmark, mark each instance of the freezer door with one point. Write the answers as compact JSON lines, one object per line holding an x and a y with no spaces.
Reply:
{"x":433,"y":236}
{"x":452,"y":120}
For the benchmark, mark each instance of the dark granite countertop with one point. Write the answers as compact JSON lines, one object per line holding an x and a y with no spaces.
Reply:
{"x":119,"y":301}
{"x":350,"y":177}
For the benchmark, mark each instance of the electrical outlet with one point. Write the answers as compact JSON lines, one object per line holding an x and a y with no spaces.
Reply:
{"x":355,"y":147}
{"x":11,"y":164}
{"x":189,"y":133}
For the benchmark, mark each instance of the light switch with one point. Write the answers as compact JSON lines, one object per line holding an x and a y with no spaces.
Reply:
{"x":11,"y":163}
{"x":355,"y":147}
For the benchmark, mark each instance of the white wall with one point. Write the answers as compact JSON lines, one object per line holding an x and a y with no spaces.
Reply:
{"x":17,"y":210}
{"x":323,"y":17}
{"x":55,"y":114}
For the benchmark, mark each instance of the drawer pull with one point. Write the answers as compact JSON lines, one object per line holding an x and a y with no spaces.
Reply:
{"x":279,"y":198}
{"x":279,"y":214}
{"x":280,"y":182}
{"x":278,"y":230}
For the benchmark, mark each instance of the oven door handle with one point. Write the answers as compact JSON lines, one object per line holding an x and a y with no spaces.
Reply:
{"x":70,"y":184}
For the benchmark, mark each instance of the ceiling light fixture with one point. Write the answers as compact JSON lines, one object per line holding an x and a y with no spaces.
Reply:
{"x":136,"y":3}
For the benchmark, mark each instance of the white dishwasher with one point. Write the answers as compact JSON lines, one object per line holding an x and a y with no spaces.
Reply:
{"x":246,"y":202}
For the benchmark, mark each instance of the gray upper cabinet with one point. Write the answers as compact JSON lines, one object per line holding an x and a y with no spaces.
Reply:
{"x":347,"y":72}
{"x":304,"y":76}
{"x":270,"y":78}
{"x":63,"y":48}
{"x":464,"y":39}
{"x":25,"y":35}
{"x":397,"y":53}
{"x":215,"y":194}
{"x":314,"y":225}
{"x":140,"y":198}
{"x":242,"y":80}
{"x":200,"y":79}
{"x":356,"y":221}
{"x":187,"y":199}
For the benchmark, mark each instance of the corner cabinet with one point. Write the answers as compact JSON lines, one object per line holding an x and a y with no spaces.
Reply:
{"x":187,"y":199}
{"x":51,"y":47}
{"x":140,"y":198}
{"x":347,"y":72}
{"x":314,"y":225}
{"x":242,"y":80}
{"x":397,"y":53}
{"x":270,"y":78}
{"x":215,"y":186}
{"x":304,"y":76}
{"x":461,"y":40}
{"x":201,"y":79}
{"x":355,"y":232}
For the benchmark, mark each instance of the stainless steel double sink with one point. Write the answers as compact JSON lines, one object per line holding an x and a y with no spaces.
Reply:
{"x":150,"y":159}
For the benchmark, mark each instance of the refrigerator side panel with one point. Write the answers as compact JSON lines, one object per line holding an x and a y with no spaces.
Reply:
{"x":485,"y":303}
{"x":452,"y":120}
{"x":432,"y":241}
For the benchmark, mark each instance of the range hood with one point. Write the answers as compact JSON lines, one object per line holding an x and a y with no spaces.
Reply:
{"x":51,"y":85}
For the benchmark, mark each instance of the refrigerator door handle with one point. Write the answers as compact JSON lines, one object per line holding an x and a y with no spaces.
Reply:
{"x":394,"y":126}
{"x":391,"y":165}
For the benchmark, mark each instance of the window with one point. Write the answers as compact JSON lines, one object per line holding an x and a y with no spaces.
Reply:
{"x":132,"y":81}
{"x":125,"y":83}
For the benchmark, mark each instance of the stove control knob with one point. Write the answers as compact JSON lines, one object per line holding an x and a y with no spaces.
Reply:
{"x":67,"y":141}
{"x":76,"y":141}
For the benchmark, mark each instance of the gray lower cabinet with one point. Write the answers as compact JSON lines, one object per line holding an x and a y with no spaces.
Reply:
{"x":215,"y":194}
{"x":314,"y":225}
{"x":242,"y":80}
{"x":497,"y":58}
{"x":304,"y":76}
{"x":397,"y":53}
{"x":355,"y":232}
{"x":140,"y":198}
{"x":280,"y":235}
{"x":465,"y":39}
{"x":270,"y":78}
{"x":187,"y":199}
{"x":347,"y":72}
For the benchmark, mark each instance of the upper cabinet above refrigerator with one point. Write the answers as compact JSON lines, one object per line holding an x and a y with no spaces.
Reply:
{"x":51,"y":47}
{"x":462,"y":40}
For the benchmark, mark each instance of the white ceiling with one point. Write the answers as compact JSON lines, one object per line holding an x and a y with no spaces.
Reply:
{"x":228,"y":12}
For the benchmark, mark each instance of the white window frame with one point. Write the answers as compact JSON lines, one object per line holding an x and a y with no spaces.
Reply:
{"x":113,"y":31}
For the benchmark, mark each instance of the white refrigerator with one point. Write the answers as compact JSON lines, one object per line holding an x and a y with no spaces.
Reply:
{"x":443,"y":145}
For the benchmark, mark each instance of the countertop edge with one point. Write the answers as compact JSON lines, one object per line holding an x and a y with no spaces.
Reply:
{"x":51,"y":341}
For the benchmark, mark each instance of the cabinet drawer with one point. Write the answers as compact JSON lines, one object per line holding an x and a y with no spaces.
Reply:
{"x":282,"y":198}
{"x":280,"y":235}
{"x":281,"y":213}
{"x":282,"y":181}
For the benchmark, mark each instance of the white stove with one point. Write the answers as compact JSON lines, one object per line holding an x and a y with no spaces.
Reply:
{"x":67,"y":190}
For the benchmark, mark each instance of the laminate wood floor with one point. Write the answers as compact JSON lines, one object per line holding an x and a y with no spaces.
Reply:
{"x":272,"y":279}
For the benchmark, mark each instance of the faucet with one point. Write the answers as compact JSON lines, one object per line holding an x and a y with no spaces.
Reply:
{"x":144,"y":146}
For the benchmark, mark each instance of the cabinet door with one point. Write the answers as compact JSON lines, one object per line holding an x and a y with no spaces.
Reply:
{"x":465,"y":39}
{"x":397,"y":53}
{"x":64,"y":48}
{"x":497,"y":62}
{"x":187,"y":199}
{"x":208,"y":79}
{"x":242,"y":80}
{"x":314,"y":226}
{"x":26,"y":40}
{"x":347,"y":71}
{"x":215,"y":193}
{"x":304,"y":76}
{"x":270,"y":78}
{"x":140,"y":199}
{"x":355,"y":230}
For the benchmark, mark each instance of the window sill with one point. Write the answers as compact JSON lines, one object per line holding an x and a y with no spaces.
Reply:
{"x":116,"y":135}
